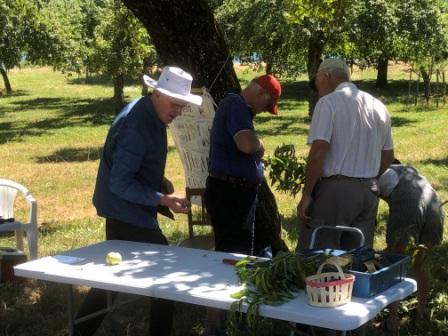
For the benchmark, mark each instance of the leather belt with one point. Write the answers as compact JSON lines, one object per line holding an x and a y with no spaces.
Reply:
{"x":239,"y":181}
{"x":343,"y":177}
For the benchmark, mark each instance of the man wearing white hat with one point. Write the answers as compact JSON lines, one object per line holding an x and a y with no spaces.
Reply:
{"x":351,"y":144}
{"x":131,"y":186}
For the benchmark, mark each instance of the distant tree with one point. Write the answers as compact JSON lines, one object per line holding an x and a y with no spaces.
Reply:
{"x":25,"y":35}
{"x":121,"y":46}
{"x":260,"y":28}
{"x":19,"y":21}
{"x":290,"y":36}
{"x":92,"y":15}
{"x":374,"y":32}
{"x":324,"y":24}
{"x":67,"y":50}
{"x":423,"y":37}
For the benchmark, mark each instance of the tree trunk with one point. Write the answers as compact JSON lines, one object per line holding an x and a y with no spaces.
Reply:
{"x":118,"y":92}
{"x":185,"y":34}
{"x":426,"y":83}
{"x":315,"y":49}
{"x":6,"y":80}
{"x":381,"y":78}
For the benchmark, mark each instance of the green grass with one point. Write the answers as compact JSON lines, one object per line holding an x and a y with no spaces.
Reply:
{"x":52,"y":129}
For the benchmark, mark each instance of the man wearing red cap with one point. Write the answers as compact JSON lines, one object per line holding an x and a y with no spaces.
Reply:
{"x":235,"y":167}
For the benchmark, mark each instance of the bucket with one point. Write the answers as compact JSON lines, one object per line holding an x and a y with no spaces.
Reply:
{"x":9,"y":257}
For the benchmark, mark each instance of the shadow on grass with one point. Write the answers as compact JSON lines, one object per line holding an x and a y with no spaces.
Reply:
{"x":298,"y":91}
{"x":96,"y":79}
{"x":102,"y":80}
{"x":72,"y":155}
{"x":436,"y":162}
{"x":282,"y":126}
{"x":76,"y":155}
{"x":400,"y":121}
{"x":73,"y":112}
{"x":35,"y":308}
{"x":15,"y":93}
{"x":395,"y":91}
{"x":7,"y":108}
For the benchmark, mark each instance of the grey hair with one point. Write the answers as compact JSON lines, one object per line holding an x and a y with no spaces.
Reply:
{"x":339,"y":73}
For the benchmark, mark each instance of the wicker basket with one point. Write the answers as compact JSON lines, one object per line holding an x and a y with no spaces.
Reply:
{"x":329,"y":289}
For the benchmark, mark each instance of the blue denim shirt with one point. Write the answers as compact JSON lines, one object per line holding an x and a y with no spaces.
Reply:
{"x":132,"y":166}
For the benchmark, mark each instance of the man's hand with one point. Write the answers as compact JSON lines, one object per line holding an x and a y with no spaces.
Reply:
{"x":167,"y":187}
{"x":303,"y":209}
{"x":176,"y":204}
{"x":260,"y":151}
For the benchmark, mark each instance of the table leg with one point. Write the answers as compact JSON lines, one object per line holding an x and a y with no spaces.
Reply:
{"x":70,"y":310}
{"x":71,"y":323}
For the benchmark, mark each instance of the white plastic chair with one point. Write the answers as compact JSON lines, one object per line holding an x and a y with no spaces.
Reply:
{"x":191,"y":134}
{"x":8,"y":193}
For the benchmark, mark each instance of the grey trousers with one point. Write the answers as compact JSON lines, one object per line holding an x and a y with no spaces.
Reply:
{"x":344,"y":201}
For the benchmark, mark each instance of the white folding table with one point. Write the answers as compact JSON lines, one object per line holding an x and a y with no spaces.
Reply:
{"x":192,"y":276}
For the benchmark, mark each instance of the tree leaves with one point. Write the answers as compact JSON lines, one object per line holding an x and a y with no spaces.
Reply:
{"x":286,"y":171}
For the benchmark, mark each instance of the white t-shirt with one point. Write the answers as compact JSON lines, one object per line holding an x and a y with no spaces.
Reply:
{"x":357,"y":127}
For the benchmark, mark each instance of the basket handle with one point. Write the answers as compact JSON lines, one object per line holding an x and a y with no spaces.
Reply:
{"x":332,"y":263}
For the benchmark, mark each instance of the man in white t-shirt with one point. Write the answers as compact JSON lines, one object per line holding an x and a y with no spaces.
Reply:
{"x":351,"y":144}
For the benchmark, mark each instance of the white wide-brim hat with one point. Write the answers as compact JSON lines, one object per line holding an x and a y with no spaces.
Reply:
{"x":176,"y":83}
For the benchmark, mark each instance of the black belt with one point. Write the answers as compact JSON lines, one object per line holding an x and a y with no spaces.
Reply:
{"x":6,"y":220}
{"x":343,"y":177}
{"x":239,"y":181}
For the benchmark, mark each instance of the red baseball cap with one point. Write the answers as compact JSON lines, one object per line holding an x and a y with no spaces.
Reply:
{"x":272,"y":86}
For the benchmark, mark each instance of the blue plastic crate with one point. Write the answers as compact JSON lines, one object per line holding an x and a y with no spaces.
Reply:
{"x":370,"y":284}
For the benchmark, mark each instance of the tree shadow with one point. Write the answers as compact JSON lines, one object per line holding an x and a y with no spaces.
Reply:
{"x":436,"y":162}
{"x":298,"y":91}
{"x":73,"y":112}
{"x":102,"y":80}
{"x":97,"y":111}
{"x":7,"y":108}
{"x":76,"y":155}
{"x":33,"y":303}
{"x":71,"y":155}
{"x":281,"y":126}
{"x":400,"y":121}
{"x":15,"y":93}
{"x":96,"y":79}
{"x":395,"y":91}
{"x":46,"y":103}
